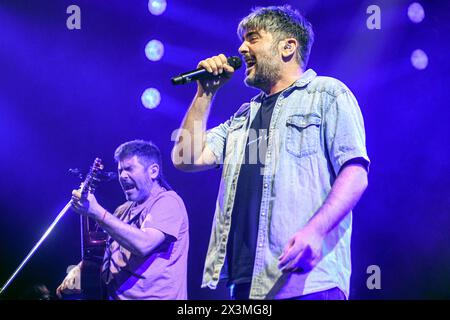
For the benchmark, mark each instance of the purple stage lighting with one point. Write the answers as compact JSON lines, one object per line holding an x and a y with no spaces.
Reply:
{"x":157,"y":7}
{"x":415,"y":12}
{"x":154,"y":50}
{"x":151,"y":98}
{"x":419,"y":59}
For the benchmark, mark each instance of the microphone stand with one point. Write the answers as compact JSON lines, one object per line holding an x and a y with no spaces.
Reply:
{"x":34,"y":249}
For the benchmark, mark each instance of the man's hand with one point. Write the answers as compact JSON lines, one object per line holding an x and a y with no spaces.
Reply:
{"x":71,"y":283}
{"x":86,"y":206}
{"x":217,"y":65}
{"x":303,"y":251}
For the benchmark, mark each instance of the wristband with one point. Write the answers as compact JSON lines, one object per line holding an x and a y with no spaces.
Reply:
{"x":104,"y":216}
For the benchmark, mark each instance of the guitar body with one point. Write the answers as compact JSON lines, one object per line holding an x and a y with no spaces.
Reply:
{"x":93,"y":243}
{"x":91,"y":284}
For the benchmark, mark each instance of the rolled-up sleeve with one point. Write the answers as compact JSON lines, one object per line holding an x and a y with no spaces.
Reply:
{"x":216,"y":140}
{"x":166,"y":215}
{"x":344,"y":132}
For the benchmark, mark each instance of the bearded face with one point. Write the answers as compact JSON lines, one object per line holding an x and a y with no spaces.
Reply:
{"x":260,"y":53}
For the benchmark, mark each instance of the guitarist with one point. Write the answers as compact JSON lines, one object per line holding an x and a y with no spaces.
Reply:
{"x":147,"y":247}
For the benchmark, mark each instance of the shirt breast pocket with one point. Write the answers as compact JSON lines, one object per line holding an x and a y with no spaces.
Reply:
{"x":303,"y":134}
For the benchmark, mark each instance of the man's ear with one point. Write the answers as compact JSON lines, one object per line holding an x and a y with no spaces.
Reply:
{"x":288,"y":48}
{"x":153,"y":171}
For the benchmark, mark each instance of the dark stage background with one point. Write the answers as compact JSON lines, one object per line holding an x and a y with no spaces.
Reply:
{"x":67,"y":96}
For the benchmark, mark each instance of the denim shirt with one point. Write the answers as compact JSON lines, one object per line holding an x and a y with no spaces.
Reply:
{"x":316,"y":127}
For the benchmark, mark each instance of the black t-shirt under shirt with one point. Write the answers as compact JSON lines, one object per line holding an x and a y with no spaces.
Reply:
{"x":245,"y":217}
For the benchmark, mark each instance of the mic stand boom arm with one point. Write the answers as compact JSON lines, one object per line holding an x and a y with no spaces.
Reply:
{"x":34,"y":249}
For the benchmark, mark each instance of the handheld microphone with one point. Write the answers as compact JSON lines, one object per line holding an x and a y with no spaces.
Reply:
{"x":201,"y":73}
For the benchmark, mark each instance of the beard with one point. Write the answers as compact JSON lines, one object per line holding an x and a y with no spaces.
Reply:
{"x":266,"y":73}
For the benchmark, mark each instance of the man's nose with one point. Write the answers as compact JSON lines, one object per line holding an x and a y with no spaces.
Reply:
{"x":243,"y":48}
{"x":123,"y":175}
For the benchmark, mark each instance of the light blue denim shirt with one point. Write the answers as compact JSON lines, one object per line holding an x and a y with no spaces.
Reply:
{"x":316,"y":127}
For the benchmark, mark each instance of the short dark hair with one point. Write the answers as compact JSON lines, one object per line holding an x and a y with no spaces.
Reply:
{"x":282,"y":22}
{"x":146,"y":151}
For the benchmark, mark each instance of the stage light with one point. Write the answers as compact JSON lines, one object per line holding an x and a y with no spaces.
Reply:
{"x":419,"y":59}
{"x":415,"y":12}
{"x":154,"y":50}
{"x":151,"y":98}
{"x":157,"y":7}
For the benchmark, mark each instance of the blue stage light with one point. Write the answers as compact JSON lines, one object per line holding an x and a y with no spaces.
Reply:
{"x":154,"y":50}
{"x":419,"y":59}
{"x":415,"y":12}
{"x":151,"y":98}
{"x":157,"y":7}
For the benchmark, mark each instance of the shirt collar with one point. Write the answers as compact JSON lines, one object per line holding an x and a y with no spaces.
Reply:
{"x":303,"y":81}
{"x":305,"y":78}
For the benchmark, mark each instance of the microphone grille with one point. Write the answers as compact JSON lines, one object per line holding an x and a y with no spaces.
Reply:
{"x":235,"y":62}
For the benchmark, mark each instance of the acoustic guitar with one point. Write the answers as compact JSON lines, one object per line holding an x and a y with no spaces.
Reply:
{"x":93,"y":241}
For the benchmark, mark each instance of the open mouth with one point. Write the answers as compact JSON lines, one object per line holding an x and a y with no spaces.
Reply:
{"x":249,"y":64}
{"x":127,"y":186}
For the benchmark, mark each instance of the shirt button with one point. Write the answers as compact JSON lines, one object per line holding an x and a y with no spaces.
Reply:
{"x":260,"y":244}
{"x":266,"y":185}
{"x":263,"y":213}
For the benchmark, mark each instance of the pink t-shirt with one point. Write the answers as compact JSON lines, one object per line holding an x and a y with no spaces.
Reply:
{"x":162,"y":274}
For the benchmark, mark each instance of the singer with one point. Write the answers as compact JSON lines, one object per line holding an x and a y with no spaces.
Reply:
{"x":294,"y":166}
{"x":147,"y":249}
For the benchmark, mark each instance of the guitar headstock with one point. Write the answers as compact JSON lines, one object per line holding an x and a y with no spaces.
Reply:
{"x":89,"y":183}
